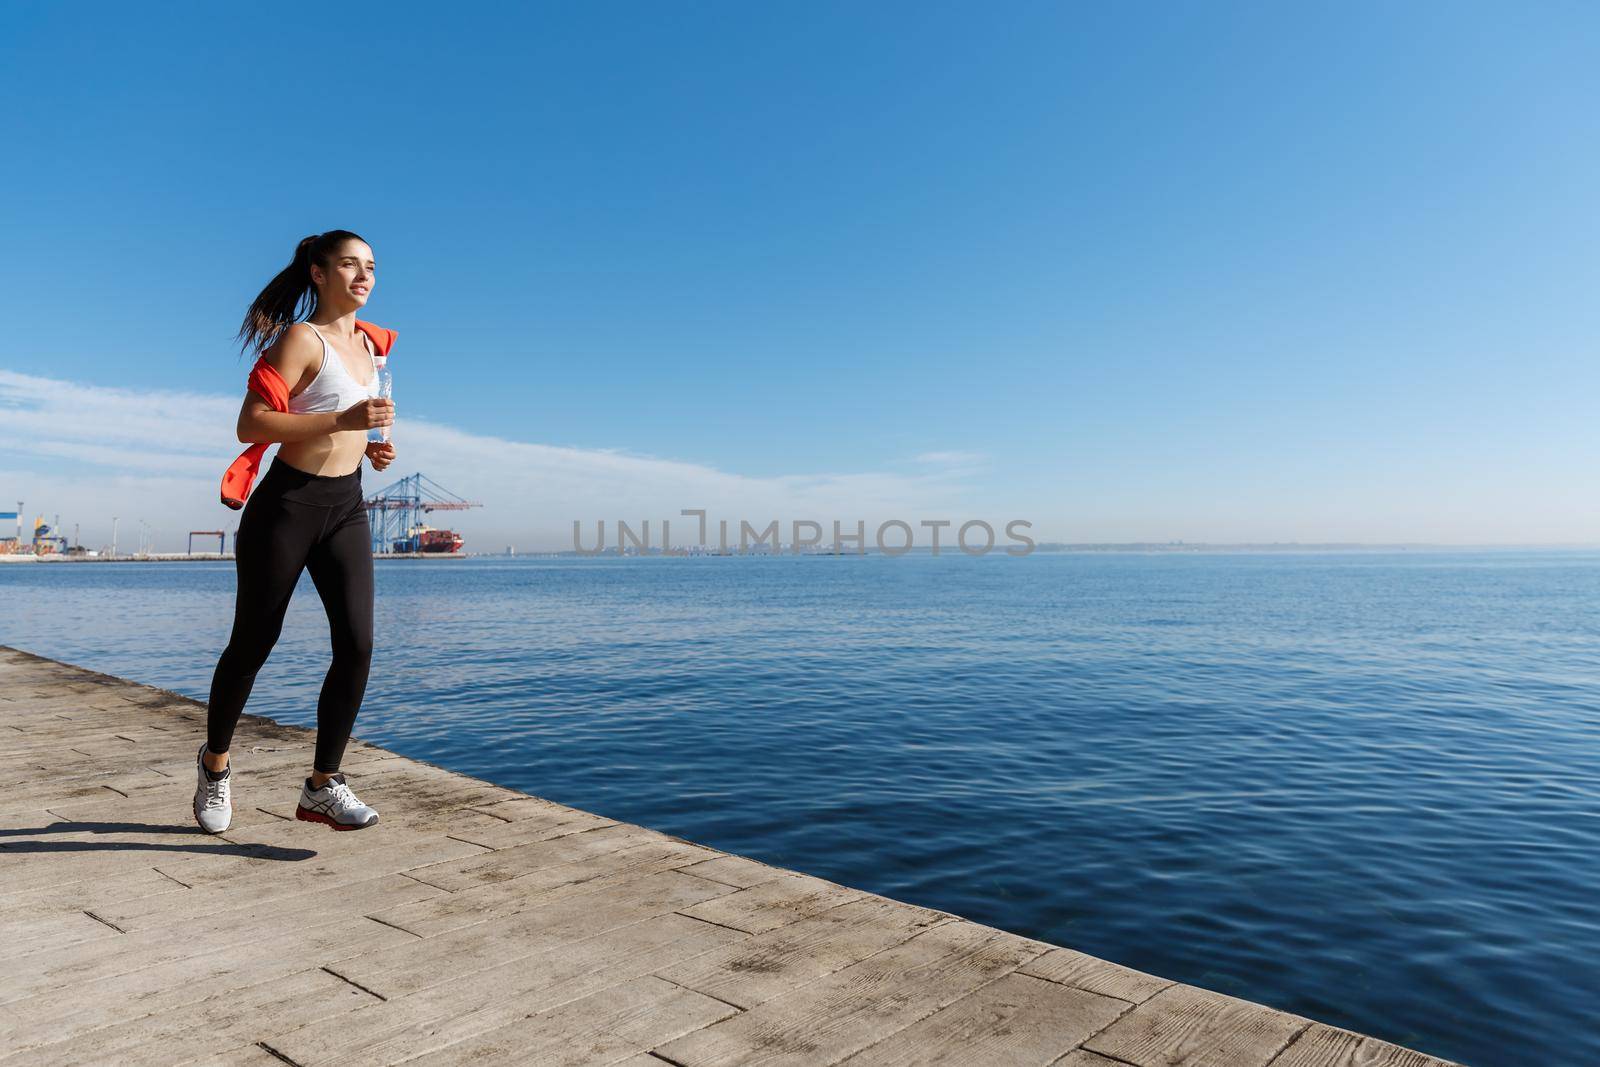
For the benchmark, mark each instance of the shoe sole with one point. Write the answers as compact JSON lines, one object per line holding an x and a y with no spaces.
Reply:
{"x":327,"y":820}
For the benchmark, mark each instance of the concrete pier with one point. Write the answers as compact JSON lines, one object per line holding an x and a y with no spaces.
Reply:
{"x":479,"y":925}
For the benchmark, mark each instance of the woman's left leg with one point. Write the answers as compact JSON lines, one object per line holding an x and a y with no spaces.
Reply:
{"x":341,"y":567}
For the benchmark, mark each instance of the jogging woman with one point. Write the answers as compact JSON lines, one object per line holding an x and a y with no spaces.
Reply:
{"x":307,"y":512}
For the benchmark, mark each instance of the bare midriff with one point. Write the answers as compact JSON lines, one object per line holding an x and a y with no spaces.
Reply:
{"x":340,"y":452}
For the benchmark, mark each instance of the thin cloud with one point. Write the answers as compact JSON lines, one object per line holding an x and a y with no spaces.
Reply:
{"x":88,"y":452}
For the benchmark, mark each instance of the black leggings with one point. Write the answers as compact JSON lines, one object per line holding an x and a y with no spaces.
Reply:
{"x":294,"y":520}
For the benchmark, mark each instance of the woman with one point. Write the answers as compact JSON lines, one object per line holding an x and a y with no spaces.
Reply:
{"x":308,"y":512}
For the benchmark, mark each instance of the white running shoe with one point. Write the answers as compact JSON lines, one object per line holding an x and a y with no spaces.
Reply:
{"x":213,"y":800}
{"x":334,"y":804}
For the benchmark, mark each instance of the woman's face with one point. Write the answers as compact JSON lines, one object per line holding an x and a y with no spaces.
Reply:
{"x":350,"y":275}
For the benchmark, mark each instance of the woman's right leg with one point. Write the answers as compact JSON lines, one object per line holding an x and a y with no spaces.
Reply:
{"x":275,"y":535}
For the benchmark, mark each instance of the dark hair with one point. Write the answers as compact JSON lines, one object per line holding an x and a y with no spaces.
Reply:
{"x":276,"y":308}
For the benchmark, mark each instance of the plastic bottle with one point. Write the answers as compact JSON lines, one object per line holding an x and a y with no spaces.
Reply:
{"x":385,"y":392}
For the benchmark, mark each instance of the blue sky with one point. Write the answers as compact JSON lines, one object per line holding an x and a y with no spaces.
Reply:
{"x":1131,"y":271}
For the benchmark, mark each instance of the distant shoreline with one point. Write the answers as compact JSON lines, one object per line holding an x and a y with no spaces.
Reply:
{"x":1052,"y":548}
{"x":1145,"y":547}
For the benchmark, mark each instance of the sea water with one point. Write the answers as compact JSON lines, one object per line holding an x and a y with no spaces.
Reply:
{"x":1363,"y":787}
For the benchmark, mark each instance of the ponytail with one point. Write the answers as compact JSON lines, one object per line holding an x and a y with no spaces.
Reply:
{"x":277,"y":307}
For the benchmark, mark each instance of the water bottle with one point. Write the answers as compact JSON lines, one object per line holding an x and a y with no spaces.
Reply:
{"x":385,"y":392}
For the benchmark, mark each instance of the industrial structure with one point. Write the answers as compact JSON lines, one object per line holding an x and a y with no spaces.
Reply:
{"x":45,"y":541}
{"x":397,"y":516}
{"x":220,"y":535}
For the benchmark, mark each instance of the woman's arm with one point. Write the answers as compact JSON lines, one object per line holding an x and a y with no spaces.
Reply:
{"x":258,"y":422}
{"x":290,"y":355}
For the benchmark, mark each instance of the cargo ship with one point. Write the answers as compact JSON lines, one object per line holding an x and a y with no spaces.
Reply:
{"x":424,"y":538}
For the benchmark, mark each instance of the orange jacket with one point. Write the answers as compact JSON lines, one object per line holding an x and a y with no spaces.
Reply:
{"x":270,"y":386}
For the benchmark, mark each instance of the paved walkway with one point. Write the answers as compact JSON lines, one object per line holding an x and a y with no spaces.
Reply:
{"x":477,"y":924}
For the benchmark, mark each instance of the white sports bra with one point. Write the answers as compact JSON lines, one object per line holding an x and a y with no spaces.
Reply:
{"x":333,"y":389}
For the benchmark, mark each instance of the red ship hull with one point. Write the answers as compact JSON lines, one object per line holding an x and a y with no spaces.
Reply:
{"x":441,"y":541}
{"x":427,"y":539}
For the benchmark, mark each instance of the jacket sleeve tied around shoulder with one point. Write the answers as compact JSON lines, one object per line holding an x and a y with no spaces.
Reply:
{"x":268,"y":384}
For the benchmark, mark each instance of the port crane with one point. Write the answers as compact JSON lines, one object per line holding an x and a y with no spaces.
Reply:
{"x":220,"y":535}
{"x":396,"y":513}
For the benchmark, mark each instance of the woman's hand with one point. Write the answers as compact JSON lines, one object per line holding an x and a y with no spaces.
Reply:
{"x":381,"y":453}
{"x":365,"y":414}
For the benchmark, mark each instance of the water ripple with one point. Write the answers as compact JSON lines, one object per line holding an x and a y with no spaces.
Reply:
{"x":1362,"y":787}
